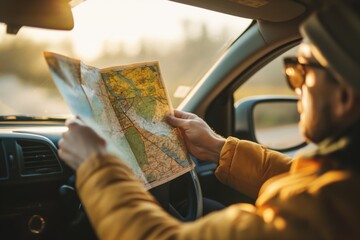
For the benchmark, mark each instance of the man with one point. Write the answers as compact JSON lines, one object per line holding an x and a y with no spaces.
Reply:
{"x":316,"y":196}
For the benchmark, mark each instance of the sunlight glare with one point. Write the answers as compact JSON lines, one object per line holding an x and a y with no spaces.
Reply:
{"x":99,"y":23}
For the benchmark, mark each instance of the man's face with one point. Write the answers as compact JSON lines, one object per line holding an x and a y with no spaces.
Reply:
{"x":316,"y":100}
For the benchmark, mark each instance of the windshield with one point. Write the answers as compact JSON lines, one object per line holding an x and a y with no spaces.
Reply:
{"x":185,"y":40}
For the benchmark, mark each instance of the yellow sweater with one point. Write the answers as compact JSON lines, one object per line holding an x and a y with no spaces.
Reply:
{"x":297,"y":204}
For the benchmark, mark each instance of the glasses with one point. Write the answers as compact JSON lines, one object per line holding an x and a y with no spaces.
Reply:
{"x":295,"y":71}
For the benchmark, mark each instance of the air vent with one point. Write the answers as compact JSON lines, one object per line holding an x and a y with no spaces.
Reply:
{"x":38,"y":158}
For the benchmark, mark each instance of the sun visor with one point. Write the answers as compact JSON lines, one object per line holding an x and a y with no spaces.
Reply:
{"x":52,"y":14}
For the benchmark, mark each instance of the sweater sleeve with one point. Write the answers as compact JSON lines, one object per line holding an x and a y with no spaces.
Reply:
{"x":117,"y":203}
{"x":119,"y":207}
{"x":245,"y":165}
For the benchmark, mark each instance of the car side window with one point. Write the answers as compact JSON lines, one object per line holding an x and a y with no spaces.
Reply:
{"x":274,"y":121}
{"x":268,"y":80}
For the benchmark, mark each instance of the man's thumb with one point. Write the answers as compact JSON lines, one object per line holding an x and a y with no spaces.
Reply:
{"x":174,"y":121}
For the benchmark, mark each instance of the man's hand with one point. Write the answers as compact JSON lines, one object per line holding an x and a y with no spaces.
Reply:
{"x":79,"y":143}
{"x":200,"y":139}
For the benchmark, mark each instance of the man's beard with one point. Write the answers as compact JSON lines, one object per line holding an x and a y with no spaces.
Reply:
{"x":320,"y":126}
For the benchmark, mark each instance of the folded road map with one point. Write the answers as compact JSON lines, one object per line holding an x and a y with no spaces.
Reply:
{"x":125,"y":105}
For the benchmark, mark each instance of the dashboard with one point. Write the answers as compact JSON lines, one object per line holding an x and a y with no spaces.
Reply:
{"x":38,"y":199}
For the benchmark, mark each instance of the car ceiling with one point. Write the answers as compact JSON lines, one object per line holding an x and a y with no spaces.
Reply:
{"x":56,"y":14}
{"x":266,"y":10}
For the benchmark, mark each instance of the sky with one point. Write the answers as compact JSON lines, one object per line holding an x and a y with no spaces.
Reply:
{"x":107,"y":21}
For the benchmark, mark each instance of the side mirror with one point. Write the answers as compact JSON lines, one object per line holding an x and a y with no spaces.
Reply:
{"x":269,"y":120}
{"x":52,"y":14}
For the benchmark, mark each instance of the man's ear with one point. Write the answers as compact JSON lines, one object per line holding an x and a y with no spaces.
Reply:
{"x":348,"y":103}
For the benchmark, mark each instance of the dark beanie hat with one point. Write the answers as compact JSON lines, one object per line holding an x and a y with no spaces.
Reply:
{"x":334,"y":36}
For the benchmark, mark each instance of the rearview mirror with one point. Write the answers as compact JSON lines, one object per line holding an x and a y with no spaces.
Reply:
{"x":52,"y":14}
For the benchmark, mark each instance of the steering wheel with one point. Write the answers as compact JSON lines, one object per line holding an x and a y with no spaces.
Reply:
{"x":186,"y":206}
